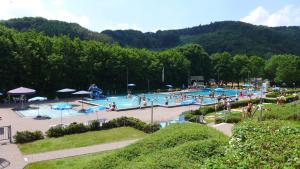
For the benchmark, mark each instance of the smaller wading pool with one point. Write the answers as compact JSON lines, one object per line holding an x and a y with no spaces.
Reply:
{"x":46,"y":110}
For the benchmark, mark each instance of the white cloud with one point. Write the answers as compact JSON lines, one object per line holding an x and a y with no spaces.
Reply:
{"x":20,"y":8}
{"x":287,"y":16}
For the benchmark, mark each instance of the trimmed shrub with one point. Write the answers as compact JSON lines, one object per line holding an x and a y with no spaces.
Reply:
{"x":57,"y":131}
{"x":27,"y":136}
{"x":210,"y":109}
{"x":131,"y":122}
{"x":75,"y":128}
{"x":219,"y":120}
{"x":273,"y":94}
{"x":95,"y":125}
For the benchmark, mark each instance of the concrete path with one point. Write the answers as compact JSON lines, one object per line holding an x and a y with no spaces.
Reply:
{"x":76,"y":151}
{"x":12,"y":154}
{"x":225,"y":128}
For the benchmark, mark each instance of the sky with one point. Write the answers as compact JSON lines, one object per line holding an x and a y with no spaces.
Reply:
{"x":153,"y":15}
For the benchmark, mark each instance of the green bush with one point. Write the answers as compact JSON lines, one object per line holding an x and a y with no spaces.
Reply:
{"x":131,"y":122}
{"x":185,"y":145}
{"x":210,"y":109}
{"x":95,"y":125}
{"x":273,"y":94}
{"x":56,"y":131}
{"x":74,"y":128}
{"x":268,"y":144}
{"x":27,"y":136}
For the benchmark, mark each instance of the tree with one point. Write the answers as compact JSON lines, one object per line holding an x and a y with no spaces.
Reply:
{"x":222,"y":66}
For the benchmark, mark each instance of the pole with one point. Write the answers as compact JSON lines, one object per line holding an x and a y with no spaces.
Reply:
{"x":152,"y":112}
{"x":61,"y":116}
{"x":127,"y":78}
{"x":148,"y":86}
{"x":218,"y":77}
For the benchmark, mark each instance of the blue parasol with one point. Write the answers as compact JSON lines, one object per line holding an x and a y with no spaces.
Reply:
{"x":61,"y":107}
{"x":131,"y":85}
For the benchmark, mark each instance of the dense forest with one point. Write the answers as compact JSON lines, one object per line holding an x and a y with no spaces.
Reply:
{"x":231,"y":36}
{"x":46,"y":63}
{"x":54,"y":28}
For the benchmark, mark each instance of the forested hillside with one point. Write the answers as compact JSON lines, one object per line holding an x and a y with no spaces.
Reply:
{"x":231,"y":36}
{"x":54,"y":28}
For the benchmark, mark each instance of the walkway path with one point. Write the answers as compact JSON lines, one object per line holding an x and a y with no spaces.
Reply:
{"x":225,"y":128}
{"x":12,"y":154}
{"x":76,"y":151}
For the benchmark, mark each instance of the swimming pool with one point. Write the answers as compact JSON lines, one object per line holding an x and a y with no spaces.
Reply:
{"x":159,"y":99}
{"x":46,"y":110}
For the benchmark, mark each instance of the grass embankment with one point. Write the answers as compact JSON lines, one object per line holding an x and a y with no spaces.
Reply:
{"x":177,"y":146}
{"x":76,"y":162}
{"x":81,"y":140}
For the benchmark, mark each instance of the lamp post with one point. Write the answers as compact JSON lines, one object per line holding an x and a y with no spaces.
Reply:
{"x":151,"y":111}
{"x":218,"y":77}
{"x":127,"y":78}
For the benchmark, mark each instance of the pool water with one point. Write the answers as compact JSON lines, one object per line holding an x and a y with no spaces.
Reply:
{"x":122,"y":102}
{"x":45,"y":110}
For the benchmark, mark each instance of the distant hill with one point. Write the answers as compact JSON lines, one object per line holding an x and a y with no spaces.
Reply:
{"x":54,"y":28}
{"x":231,"y":36}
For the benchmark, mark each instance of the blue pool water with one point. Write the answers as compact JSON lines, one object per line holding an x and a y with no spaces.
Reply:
{"x":46,"y":110}
{"x":122,"y":102}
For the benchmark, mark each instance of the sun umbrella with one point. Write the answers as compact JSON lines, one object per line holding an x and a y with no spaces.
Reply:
{"x":37,"y":99}
{"x":66,"y":90}
{"x":82,"y":93}
{"x":189,"y":102}
{"x":1,"y":94}
{"x":219,"y":89}
{"x":169,"y":86}
{"x":247,"y":85}
{"x":21,"y":91}
{"x":61,"y":107}
{"x":95,"y":109}
{"x":131,"y":85}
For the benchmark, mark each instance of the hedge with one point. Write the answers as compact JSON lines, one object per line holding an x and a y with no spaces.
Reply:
{"x":230,"y":118}
{"x":288,"y":99}
{"x":192,"y":116}
{"x":73,"y":128}
{"x":28,"y":136}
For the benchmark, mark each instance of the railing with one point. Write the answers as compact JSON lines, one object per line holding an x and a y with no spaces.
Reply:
{"x":5,"y":133}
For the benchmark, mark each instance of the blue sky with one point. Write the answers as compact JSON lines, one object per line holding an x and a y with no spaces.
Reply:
{"x":152,"y":15}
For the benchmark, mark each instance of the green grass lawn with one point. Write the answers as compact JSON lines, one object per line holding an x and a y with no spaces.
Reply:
{"x":81,"y":140}
{"x":76,"y":162}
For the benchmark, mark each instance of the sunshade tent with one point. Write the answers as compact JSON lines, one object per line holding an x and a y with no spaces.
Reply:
{"x":82,"y":93}
{"x":189,"y":102}
{"x":247,"y":85}
{"x":21,"y":91}
{"x":131,"y":85}
{"x":95,"y":109}
{"x":61,"y":107}
{"x":219,"y":89}
{"x":169,"y":86}
{"x":66,"y":90}
{"x":37,"y":99}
